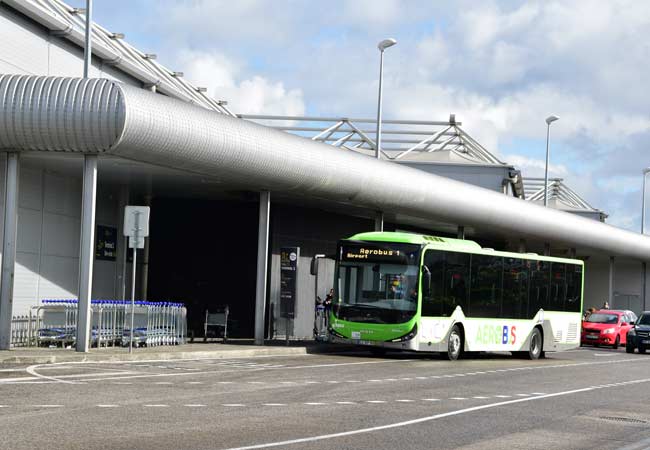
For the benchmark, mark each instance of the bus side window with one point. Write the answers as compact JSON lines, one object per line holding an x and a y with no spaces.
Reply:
{"x":456,"y":289}
{"x":557,"y":297}
{"x":540,"y":274}
{"x":435,"y":262}
{"x":486,"y":279}
{"x":574,"y":288}
{"x":515,"y":289}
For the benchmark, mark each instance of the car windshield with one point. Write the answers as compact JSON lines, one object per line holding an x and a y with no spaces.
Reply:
{"x":644,"y":320}
{"x":603,"y":318}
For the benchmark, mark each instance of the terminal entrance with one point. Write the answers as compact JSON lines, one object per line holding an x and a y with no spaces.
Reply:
{"x":203,"y":253}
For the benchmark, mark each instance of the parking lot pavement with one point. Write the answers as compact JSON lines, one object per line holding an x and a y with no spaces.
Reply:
{"x":576,"y":398}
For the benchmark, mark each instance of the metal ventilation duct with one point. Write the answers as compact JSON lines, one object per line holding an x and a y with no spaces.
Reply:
{"x":63,"y":114}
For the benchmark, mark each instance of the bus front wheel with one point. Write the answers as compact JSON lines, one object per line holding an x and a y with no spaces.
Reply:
{"x":455,"y":344}
{"x":535,"y":346}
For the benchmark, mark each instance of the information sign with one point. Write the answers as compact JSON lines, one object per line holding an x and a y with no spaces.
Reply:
{"x":289,"y":257}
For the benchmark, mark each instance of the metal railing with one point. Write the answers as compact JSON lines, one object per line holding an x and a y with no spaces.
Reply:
{"x":54,"y":323}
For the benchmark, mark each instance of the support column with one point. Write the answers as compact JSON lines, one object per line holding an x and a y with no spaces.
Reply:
{"x":461,"y":232}
{"x":572,"y":253}
{"x":262,"y":265}
{"x":644,"y":280}
{"x":522,"y":246}
{"x":122,"y":245}
{"x":86,"y":251}
{"x":610,"y":296}
{"x":9,"y":248}
{"x":144,"y":277}
{"x":379,"y":221}
{"x":547,"y":249}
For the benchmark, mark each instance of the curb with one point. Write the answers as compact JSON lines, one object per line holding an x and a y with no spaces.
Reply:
{"x":167,"y":356}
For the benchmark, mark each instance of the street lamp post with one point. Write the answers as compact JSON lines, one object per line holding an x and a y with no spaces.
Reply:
{"x":382,"y":46}
{"x":643,"y":264}
{"x":550,"y":119}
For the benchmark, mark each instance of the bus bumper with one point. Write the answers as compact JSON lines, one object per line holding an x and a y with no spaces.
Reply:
{"x":405,"y":345}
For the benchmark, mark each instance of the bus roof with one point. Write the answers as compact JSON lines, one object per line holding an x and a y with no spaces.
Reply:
{"x":450,"y":244}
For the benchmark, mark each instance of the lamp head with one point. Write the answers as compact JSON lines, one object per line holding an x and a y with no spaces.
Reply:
{"x":646,"y":170}
{"x":551,"y":119}
{"x":383,"y":45}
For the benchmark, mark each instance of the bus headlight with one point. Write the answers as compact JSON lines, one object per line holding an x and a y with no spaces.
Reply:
{"x":334,"y":333}
{"x":407,"y":337}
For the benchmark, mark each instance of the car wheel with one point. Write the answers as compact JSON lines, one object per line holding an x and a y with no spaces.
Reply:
{"x":629,"y":348}
{"x":616,"y":342}
{"x":455,"y":344}
{"x":535,"y":345}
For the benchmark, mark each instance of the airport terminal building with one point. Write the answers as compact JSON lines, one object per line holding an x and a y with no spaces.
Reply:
{"x":228,"y":192}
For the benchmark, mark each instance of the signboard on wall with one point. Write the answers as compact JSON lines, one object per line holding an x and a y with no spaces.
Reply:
{"x":106,"y":243}
{"x":289,"y":257}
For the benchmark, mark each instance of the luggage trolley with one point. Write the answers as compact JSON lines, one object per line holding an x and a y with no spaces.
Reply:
{"x":215,"y":321}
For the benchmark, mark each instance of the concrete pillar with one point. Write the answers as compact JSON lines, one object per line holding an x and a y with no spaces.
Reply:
{"x":610,"y":296}
{"x":461,"y":232}
{"x":547,"y":249}
{"x":144,"y":277}
{"x":262,"y":265}
{"x":522,"y":246}
{"x":123,"y":245}
{"x":644,"y":281}
{"x":86,"y":251}
{"x":379,"y":221}
{"x":9,"y":238}
{"x":572,"y":253}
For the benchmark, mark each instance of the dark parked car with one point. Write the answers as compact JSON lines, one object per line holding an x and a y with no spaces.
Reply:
{"x":639,"y":335}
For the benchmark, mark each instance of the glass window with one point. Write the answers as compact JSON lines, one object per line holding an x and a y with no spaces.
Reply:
{"x":574,"y":288}
{"x":487,"y":279}
{"x":434,"y":261}
{"x":539,"y":284}
{"x":515,"y":288}
{"x":557,"y":293}
{"x":455,"y":282}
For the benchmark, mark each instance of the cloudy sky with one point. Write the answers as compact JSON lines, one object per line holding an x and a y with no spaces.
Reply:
{"x":501,"y":66}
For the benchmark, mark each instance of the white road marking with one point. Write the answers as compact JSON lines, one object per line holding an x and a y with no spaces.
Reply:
{"x":480,"y":398}
{"x":315,"y":403}
{"x":194,"y":382}
{"x":346,"y":403}
{"x":107,"y":406}
{"x":156,"y":406}
{"x":431,"y":399}
{"x":163,"y":382}
{"x":232,"y":404}
{"x":405,"y":401}
{"x":458,"y":398}
{"x":195,"y":405}
{"x":503,"y":396}
{"x":419,"y":420}
{"x":523,"y":395}
{"x":375,"y":401}
{"x":274,"y":404}
{"x":48,"y":406}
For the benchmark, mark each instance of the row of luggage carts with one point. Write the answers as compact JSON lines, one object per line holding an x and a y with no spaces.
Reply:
{"x":154,"y":323}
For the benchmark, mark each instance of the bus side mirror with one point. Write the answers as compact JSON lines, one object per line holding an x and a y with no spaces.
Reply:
{"x":313,"y":269}
{"x":426,"y":282}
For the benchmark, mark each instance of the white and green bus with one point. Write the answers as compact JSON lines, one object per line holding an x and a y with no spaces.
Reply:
{"x":406,"y":291}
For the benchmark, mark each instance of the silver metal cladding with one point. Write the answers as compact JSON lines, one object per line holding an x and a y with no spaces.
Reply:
{"x":60,"y":114}
{"x":52,"y":113}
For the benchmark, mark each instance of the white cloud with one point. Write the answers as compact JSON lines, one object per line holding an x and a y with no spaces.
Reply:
{"x":254,"y":95}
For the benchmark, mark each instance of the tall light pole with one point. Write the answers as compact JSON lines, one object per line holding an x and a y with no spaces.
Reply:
{"x":643,"y":264}
{"x":382,"y":46}
{"x":550,"y":119}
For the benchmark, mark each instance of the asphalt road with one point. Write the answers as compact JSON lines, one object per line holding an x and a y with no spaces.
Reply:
{"x":588,"y":398}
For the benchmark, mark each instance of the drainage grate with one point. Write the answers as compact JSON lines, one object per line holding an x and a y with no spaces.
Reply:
{"x":623,"y":419}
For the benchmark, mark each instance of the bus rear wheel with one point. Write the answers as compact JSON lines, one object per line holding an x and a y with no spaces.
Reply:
{"x":455,"y":344}
{"x":535,"y":345}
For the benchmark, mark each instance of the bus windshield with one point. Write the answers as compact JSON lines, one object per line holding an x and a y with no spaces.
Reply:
{"x":377,"y":282}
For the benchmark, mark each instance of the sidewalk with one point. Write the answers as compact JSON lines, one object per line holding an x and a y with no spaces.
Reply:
{"x":233,"y":349}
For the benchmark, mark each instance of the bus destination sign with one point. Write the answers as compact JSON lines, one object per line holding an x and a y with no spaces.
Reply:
{"x":372,"y":252}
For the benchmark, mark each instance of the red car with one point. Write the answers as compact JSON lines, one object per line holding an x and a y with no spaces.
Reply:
{"x":606,"y":327}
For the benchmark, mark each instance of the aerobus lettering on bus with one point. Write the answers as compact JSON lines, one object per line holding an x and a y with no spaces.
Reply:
{"x":496,"y":334}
